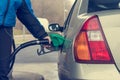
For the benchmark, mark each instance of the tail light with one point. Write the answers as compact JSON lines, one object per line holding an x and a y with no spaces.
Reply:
{"x":90,"y":44}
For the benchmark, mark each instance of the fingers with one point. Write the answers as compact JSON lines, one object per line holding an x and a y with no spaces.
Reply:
{"x":49,"y":39}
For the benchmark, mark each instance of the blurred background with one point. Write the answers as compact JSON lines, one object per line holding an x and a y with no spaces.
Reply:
{"x":47,"y":12}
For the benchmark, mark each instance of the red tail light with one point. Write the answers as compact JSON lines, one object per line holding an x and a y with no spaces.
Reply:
{"x":90,"y":44}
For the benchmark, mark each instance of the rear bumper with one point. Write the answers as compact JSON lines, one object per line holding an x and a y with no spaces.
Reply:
{"x":91,"y":72}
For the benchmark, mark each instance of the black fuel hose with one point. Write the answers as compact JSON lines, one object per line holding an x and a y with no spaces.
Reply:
{"x":24,"y":45}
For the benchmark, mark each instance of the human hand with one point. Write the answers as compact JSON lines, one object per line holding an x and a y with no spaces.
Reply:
{"x":48,"y":38}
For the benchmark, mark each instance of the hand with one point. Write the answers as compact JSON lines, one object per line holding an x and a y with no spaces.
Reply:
{"x":49,"y":39}
{"x":48,"y":46}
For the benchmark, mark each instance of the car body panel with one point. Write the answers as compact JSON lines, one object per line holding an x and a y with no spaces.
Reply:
{"x":68,"y":67}
{"x":91,"y":72}
{"x":111,"y":28}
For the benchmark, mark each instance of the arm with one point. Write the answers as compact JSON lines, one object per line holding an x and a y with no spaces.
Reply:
{"x":26,"y":16}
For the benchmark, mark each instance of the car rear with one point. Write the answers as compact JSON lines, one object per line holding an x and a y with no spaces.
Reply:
{"x":92,"y":48}
{"x":94,"y":36}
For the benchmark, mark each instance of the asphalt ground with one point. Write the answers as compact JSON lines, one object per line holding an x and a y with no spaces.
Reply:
{"x":35,"y":71}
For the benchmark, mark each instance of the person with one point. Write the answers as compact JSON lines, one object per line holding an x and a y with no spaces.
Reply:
{"x":9,"y":10}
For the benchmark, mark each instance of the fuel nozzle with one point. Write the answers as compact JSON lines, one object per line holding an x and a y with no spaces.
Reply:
{"x":57,"y":42}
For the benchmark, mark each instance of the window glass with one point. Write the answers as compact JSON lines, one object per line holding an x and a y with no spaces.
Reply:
{"x":101,"y":5}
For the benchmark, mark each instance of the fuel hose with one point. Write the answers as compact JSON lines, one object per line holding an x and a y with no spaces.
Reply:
{"x":24,"y":45}
{"x":57,"y":40}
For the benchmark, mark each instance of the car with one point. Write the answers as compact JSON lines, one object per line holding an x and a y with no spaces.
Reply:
{"x":91,"y":50}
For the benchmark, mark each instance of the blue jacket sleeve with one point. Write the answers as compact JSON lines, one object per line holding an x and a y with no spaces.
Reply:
{"x":26,"y":16}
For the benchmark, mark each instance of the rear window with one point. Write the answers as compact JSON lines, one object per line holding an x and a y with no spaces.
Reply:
{"x":101,"y":5}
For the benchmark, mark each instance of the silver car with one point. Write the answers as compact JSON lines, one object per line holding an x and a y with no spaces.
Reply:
{"x":91,"y":50}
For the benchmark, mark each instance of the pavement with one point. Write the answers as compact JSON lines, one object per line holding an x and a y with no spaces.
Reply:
{"x":35,"y":71}
{"x":20,"y":75}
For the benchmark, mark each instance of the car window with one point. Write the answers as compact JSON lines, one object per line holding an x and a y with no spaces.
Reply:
{"x":101,"y":5}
